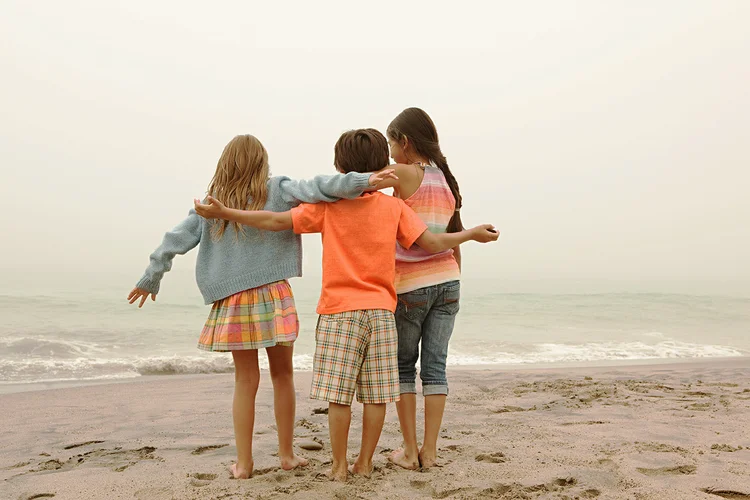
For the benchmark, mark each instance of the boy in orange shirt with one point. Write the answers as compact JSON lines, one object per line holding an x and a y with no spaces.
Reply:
{"x":356,"y":340}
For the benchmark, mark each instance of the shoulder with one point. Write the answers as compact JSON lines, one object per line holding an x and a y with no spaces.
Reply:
{"x":275,"y":186}
{"x":277,"y":180}
{"x":391,"y":203}
{"x":407,"y":174}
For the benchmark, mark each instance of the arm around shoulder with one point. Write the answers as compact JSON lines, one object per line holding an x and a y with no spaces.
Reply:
{"x":260,"y":219}
{"x":323,"y":188}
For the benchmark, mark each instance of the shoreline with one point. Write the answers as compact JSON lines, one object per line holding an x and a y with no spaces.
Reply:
{"x":21,"y":387}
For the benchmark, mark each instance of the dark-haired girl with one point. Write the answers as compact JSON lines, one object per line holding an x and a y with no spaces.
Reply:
{"x":427,"y":284}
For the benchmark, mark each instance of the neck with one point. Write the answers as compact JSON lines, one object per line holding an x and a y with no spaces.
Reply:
{"x":419,"y":160}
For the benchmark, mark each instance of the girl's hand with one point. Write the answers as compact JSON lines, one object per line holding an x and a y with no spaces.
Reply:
{"x":212,"y":210}
{"x":379,"y":178}
{"x":139,"y":293}
{"x":484,"y":233}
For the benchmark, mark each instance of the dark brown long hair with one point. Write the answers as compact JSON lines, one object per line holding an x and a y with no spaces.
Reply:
{"x":417,"y":126}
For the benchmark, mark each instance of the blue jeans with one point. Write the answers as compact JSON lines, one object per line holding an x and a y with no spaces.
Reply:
{"x":426,"y":316}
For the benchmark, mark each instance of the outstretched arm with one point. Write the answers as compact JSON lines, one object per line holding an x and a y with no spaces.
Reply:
{"x":260,"y":219}
{"x":178,"y":241}
{"x":435,"y":243}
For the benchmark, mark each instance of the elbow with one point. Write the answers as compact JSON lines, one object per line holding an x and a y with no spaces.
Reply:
{"x":276,"y":224}
{"x":431,"y":246}
{"x":436,"y":249}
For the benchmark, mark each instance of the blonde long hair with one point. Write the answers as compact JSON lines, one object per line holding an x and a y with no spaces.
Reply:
{"x":240,"y":179}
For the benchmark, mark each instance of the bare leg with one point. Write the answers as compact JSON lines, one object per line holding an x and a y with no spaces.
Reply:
{"x":408,"y":457}
{"x":434,"y":405}
{"x":339,"y":420}
{"x":373,"y":417}
{"x":246,"y":381}
{"x":284,"y":403}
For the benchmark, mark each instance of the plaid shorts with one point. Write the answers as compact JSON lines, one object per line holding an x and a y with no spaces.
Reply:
{"x":356,"y":350}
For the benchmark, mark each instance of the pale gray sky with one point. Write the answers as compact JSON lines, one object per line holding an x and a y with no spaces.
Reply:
{"x":608,"y":140}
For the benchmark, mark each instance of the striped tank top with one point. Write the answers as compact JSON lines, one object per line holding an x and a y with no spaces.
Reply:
{"x":434,"y":203}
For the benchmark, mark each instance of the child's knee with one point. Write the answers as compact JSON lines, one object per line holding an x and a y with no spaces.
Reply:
{"x":282,"y":375}
{"x":247,"y":375}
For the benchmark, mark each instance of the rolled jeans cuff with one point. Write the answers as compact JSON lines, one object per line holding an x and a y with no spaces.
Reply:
{"x":431,"y":389}
{"x":407,"y":387}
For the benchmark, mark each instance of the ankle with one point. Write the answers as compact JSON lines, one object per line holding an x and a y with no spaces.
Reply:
{"x":411,"y":452}
{"x":339,"y":464}
{"x":245,"y":465}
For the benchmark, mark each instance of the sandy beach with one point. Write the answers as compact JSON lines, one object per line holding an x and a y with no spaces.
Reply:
{"x":646,"y":432}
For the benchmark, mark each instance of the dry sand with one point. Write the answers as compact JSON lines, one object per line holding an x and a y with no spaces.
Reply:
{"x":657,"y":431}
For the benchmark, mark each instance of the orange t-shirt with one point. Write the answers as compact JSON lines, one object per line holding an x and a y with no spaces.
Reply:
{"x":359,"y":248}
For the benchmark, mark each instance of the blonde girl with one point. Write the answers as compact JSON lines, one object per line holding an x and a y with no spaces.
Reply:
{"x":244,"y":275}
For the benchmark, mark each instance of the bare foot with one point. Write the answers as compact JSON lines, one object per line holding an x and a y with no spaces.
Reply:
{"x":358,"y":469}
{"x":399,"y":458}
{"x":289,"y":463}
{"x":427,"y":459}
{"x":338,"y":473}
{"x":239,"y":473}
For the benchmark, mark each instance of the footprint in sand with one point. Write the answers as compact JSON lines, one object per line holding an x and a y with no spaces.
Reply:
{"x":660,"y":448}
{"x":453,"y":491}
{"x":158,"y":493}
{"x":203,"y":476}
{"x":588,"y":422}
{"x":307,"y":425}
{"x":494,"y":458}
{"x":591,"y":493}
{"x":200,"y":479}
{"x":565,"y":481}
{"x":725,"y":447}
{"x":668,"y":471}
{"x":53,"y":464}
{"x":203,"y":449}
{"x":78,"y":445}
{"x":726,"y":493}
{"x":117,"y":458}
{"x":509,"y":409}
{"x":19,"y":465}
{"x":263,"y":472}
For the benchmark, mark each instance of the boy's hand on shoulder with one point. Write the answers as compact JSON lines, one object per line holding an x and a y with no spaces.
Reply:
{"x":213,"y":209}
{"x":381,"y":179}
{"x":139,"y":293}
{"x":484,"y":233}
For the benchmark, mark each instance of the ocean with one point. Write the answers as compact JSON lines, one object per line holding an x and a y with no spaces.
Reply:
{"x":75,"y":338}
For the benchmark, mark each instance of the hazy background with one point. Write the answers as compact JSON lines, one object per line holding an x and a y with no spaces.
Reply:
{"x":608,"y":140}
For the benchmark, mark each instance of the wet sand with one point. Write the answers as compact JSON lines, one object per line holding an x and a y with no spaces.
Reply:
{"x":657,"y":431}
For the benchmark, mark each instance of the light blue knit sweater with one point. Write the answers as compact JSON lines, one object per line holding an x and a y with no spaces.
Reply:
{"x":237,"y":262}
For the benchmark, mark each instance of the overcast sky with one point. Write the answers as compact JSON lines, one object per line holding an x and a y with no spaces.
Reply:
{"x":608,"y":140}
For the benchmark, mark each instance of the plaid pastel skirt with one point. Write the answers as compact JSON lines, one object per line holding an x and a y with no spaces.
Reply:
{"x":252,"y":319}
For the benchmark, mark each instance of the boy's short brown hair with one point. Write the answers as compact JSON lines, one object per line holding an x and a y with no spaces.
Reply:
{"x":362,"y":150}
